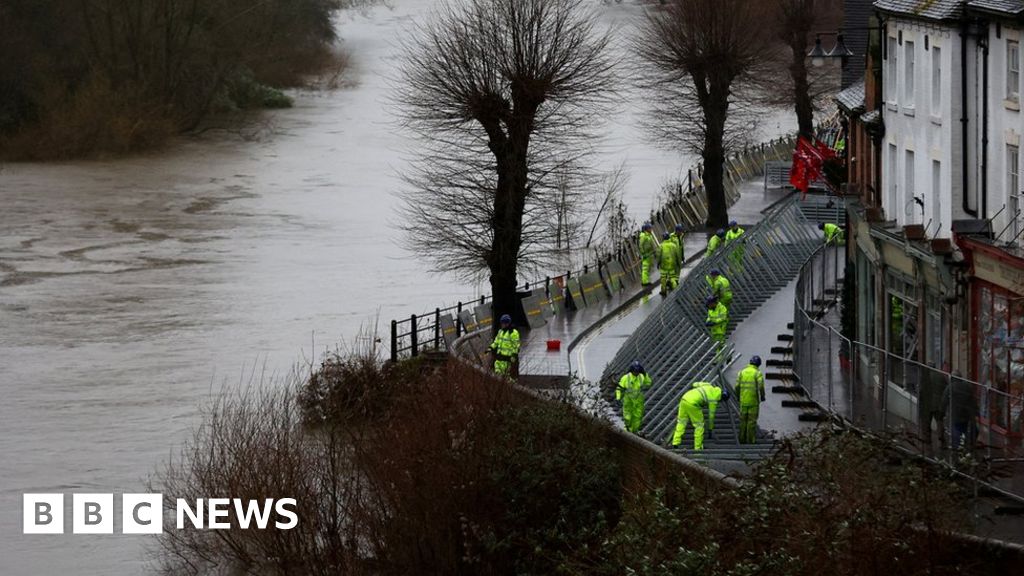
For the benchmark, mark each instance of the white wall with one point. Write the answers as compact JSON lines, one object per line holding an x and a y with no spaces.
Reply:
{"x":1006,"y":124}
{"x":930,"y":130}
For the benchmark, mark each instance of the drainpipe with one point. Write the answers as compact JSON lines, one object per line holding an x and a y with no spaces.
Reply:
{"x":983,"y":42}
{"x":965,"y":205}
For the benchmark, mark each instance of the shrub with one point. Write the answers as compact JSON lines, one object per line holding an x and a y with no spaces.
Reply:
{"x":827,"y":502}
{"x":412,"y":468}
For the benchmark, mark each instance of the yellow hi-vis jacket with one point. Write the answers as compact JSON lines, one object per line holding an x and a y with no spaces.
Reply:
{"x":831,"y":231}
{"x":677,"y":240}
{"x":632,"y":385}
{"x":506,"y":344}
{"x":750,"y":386}
{"x":713,"y":243}
{"x":720,"y":288}
{"x":647,"y":244}
{"x":718,"y":318}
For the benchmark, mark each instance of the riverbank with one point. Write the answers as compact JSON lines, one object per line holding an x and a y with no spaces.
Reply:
{"x":83,"y":80}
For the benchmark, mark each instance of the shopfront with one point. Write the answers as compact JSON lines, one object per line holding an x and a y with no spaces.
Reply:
{"x":997,"y":337}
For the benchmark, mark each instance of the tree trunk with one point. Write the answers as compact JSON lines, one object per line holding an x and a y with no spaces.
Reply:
{"x":801,"y":87}
{"x":509,"y":206}
{"x":713,"y":156}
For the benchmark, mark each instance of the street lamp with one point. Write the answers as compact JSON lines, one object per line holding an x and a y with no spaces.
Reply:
{"x":818,"y":54}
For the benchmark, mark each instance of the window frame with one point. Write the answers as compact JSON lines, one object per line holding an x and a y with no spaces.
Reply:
{"x":1013,"y":70}
{"x":909,"y":70}
{"x":893,"y":75}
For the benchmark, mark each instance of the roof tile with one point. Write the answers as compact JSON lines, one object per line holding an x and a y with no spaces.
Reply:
{"x":928,"y":9}
{"x":852,"y":99}
{"x":1011,"y":7}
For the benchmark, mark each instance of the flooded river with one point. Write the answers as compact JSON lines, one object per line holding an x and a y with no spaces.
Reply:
{"x":132,"y":290}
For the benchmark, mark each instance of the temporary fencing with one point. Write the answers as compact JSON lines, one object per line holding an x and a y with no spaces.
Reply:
{"x":974,"y":428}
{"x":673,"y":343}
{"x":608,"y":274}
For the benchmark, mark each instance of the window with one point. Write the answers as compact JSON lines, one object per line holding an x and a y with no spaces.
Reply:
{"x":936,"y":194}
{"x":1013,"y":185}
{"x":908,"y":71}
{"x":891,"y":210}
{"x":889,"y":81}
{"x":1018,"y":219}
{"x":936,"y":80}
{"x":901,"y":336}
{"x":908,"y":191}
{"x":1001,"y":353}
{"x":935,"y":348}
{"x":1012,"y":171}
{"x":1012,"y":70}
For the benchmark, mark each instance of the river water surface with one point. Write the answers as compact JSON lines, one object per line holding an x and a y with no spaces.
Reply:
{"x":133,"y":290}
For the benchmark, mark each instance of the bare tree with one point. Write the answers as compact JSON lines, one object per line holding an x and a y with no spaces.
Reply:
{"x":701,"y":56}
{"x":502,"y":96}
{"x":795,"y":20}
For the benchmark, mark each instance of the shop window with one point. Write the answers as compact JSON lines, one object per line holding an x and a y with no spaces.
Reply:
{"x":901,"y":336}
{"x":1001,"y":355}
{"x":933,"y":327}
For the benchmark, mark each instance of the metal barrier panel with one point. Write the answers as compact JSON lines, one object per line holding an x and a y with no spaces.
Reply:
{"x":576,"y":291}
{"x":616,"y":277}
{"x":468,"y":321}
{"x":484,"y":317}
{"x":448,"y":330}
{"x":547,"y":311}
{"x":534,"y":311}
{"x":593,"y":289}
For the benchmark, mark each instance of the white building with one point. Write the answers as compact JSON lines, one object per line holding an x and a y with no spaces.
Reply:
{"x":1002,"y":59}
{"x":951,"y":91}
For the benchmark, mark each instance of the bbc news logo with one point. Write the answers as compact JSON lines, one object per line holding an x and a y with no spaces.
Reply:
{"x":144,"y":513}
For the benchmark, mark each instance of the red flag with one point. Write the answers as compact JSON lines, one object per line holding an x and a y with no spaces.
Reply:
{"x":808,"y":160}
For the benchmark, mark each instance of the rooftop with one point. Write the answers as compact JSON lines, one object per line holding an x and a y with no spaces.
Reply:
{"x":1011,"y":7}
{"x":927,"y":9}
{"x":851,"y":100}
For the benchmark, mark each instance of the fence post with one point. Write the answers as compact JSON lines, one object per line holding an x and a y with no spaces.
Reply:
{"x":394,"y":341}
{"x":824,"y":265}
{"x":689,"y":180}
{"x":854,"y":362}
{"x":831,"y":358}
{"x":413,"y":337}
{"x":885,"y":392}
{"x":458,"y":320}
{"x":835,"y":277}
{"x":437,"y":328}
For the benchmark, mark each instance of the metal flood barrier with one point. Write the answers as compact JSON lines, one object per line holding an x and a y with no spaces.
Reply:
{"x":673,"y":343}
